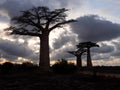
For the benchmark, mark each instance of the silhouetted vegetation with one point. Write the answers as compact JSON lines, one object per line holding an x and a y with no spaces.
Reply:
{"x":27,"y":66}
{"x":63,"y":67}
{"x":78,"y":53}
{"x":87,"y":46}
{"x":9,"y":67}
{"x":6,"y":67}
{"x":60,"y":67}
{"x":25,"y":76}
{"x":39,"y":22}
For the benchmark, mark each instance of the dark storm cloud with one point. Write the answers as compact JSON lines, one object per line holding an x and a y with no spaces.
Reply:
{"x":103,"y":52}
{"x":7,"y":56}
{"x":104,"y":48}
{"x":95,"y":28}
{"x":13,"y":7}
{"x":88,"y":28}
{"x":12,"y":50}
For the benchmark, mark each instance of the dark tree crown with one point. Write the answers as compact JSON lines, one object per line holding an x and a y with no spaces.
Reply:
{"x":78,"y":52}
{"x":38,"y":20}
{"x":87,"y":45}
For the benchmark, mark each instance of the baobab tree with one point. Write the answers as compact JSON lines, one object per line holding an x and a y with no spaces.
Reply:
{"x":39,"y":22}
{"x":78,"y":53}
{"x":87,"y":46}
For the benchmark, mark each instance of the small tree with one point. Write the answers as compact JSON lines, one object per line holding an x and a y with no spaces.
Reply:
{"x":78,"y":54}
{"x":88,"y":45}
{"x":63,"y":67}
{"x":6,"y":67}
{"x":39,"y":22}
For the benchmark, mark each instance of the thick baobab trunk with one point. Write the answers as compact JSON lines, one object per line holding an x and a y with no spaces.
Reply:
{"x":79,"y":61}
{"x":44,"y":62}
{"x":89,"y":62}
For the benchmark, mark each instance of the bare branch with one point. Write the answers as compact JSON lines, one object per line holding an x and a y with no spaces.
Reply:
{"x":9,"y":28}
{"x":60,"y":24}
{"x":23,"y":31}
{"x":40,"y":19}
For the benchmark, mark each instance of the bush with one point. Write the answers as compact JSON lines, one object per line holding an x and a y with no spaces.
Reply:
{"x":28,"y":66}
{"x":63,"y":67}
{"x":6,"y":67}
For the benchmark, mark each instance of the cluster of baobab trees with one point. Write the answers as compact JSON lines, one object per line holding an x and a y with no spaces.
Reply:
{"x":39,"y":22}
{"x":81,"y":48}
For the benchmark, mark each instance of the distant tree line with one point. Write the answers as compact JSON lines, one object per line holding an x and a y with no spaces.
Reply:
{"x":61,"y":66}
{"x":8,"y":67}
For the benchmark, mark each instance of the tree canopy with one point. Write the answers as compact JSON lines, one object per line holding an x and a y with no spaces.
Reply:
{"x":39,"y":22}
{"x":36,"y":21}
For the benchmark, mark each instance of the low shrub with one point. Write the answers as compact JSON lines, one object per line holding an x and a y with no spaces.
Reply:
{"x":6,"y":67}
{"x":63,"y":67}
{"x":9,"y":67}
{"x":28,"y":66}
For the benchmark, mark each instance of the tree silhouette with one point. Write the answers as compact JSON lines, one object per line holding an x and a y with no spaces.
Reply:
{"x":78,"y":54}
{"x":62,"y":66}
{"x":6,"y":67}
{"x":39,"y":22}
{"x":88,"y":45}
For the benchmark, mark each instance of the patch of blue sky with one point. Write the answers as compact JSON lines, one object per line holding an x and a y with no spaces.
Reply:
{"x":100,"y":3}
{"x":112,"y":7}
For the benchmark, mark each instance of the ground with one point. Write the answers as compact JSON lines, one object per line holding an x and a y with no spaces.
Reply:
{"x":51,"y":81}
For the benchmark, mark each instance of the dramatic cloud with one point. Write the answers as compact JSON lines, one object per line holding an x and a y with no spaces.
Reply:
{"x":64,"y":38}
{"x":104,"y":48}
{"x":13,"y":7}
{"x":87,"y":28}
{"x":12,"y":50}
{"x":67,"y":41}
{"x":95,"y":28}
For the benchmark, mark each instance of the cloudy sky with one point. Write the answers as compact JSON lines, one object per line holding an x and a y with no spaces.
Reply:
{"x":97,"y":21}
